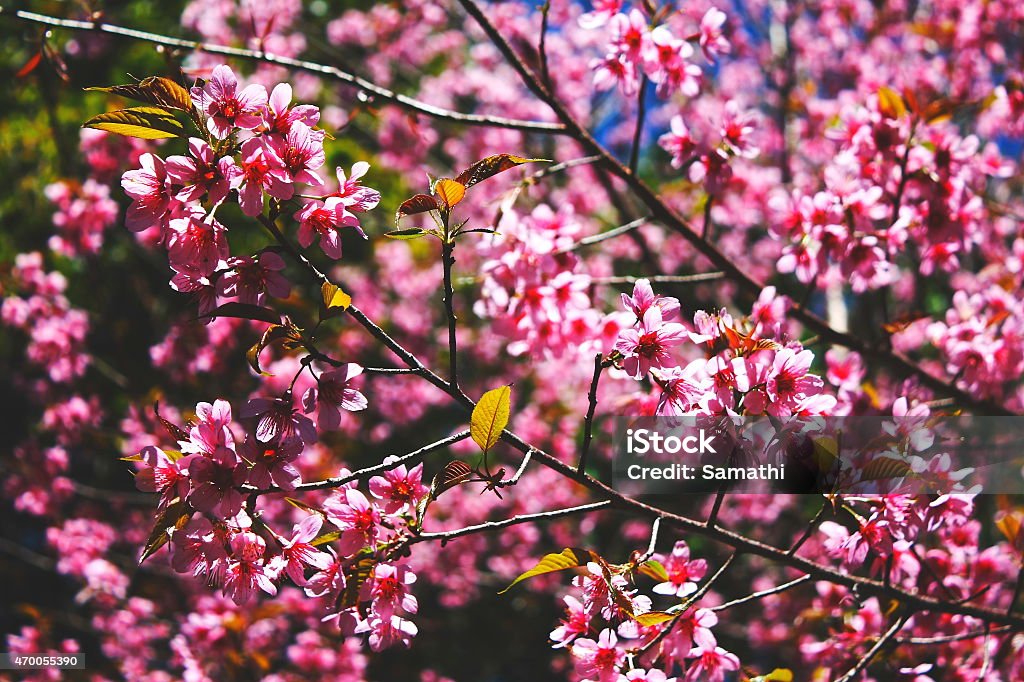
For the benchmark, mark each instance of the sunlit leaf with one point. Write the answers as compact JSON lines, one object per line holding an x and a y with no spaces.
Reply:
{"x":334,"y":296}
{"x":272,"y":334}
{"x":153,"y":90}
{"x":356,"y":576}
{"x":174,"y":517}
{"x":299,"y":504}
{"x":326,"y":537}
{"x":449,"y":191}
{"x":420,"y":203}
{"x":148,"y":123}
{"x":570,"y":557}
{"x":777,"y":675}
{"x":653,"y":568}
{"x":890,"y":104}
{"x":490,"y":416}
{"x":491,"y":166}
{"x":653,"y":618}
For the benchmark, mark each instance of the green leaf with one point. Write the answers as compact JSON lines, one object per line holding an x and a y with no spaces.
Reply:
{"x":490,"y":416}
{"x":148,"y":123}
{"x":174,"y":517}
{"x":153,"y":90}
{"x":407,"y":234}
{"x":334,"y":296}
{"x":653,"y":569}
{"x":570,"y":557}
{"x":325,"y":538}
{"x":491,"y":166}
{"x":420,"y":203}
{"x":653,"y":618}
{"x":245,"y":311}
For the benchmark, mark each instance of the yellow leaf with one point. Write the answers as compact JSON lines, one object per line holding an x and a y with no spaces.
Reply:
{"x":449,"y":191}
{"x":653,"y":618}
{"x":890,"y":104}
{"x":148,"y":123}
{"x":490,"y":416}
{"x":570,"y":557}
{"x":334,"y":296}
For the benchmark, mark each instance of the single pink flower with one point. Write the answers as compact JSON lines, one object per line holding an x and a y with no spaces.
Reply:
{"x":273,"y":462}
{"x":216,"y":486}
{"x":357,"y":518}
{"x":388,"y":590}
{"x":278,"y":418}
{"x":163,"y":475}
{"x":301,"y":152}
{"x":648,"y":346}
{"x":202,"y":173}
{"x":324,"y":220}
{"x":252,"y":277}
{"x":644,"y":297}
{"x":280,"y":114}
{"x":196,"y":244}
{"x":352,"y":193}
{"x":298,"y":553}
{"x":226,"y":107}
{"x":711,"y":664}
{"x":598,"y":660}
{"x":332,"y":394}
{"x":683,"y":572}
{"x":261,"y":171}
{"x":246,"y":572}
{"x":712,"y":40}
{"x":398,"y":488}
{"x":149,"y":190}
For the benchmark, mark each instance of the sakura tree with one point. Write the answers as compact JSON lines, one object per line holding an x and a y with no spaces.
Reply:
{"x":316,"y":357}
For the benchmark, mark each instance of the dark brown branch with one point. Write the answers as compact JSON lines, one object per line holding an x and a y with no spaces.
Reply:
{"x":762,"y":594}
{"x":882,"y":642}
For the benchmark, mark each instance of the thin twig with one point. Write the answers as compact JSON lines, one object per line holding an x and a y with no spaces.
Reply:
{"x":519,"y":472}
{"x":655,"y":527}
{"x":641,"y":114}
{"x":542,"y":48}
{"x":447,"y":261}
{"x":809,"y":530}
{"x":588,"y":422}
{"x":661,"y":279}
{"x":762,"y":593}
{"x":947,"y":639}
{"x":608,"y":234}
{"x":882,"y":642}
{"x":445,"y":536}
{"x":361,"y":474}
{"x":368,"y":87}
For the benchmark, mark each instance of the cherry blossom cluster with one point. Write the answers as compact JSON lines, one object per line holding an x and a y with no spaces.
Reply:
{"x":896,"y":183}
{"x":531,"y":287}
{"x":743,"y":372}
{"x":256,"y":148}
{"x":601,"y":629}
{"x":35,"y":303}
{"x":637,"y":50}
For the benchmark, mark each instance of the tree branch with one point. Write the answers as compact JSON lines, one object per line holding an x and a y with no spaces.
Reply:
{"x":360,"y":84}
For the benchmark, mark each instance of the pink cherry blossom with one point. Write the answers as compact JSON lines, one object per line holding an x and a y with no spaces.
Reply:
{"x":648,"y":345}
{"x":298,"y":553}
{"x":598,"y":660}
{"x":399,"y":489}
{"x":201,"y":173}
{"x":148,"y":187}
{"x":225,"y":107}
{"x":332,"y":394}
